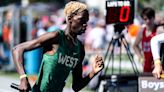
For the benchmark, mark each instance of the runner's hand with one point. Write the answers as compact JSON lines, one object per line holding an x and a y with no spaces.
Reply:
{"x":24,"y":85}
{"x":157,"y":71}
{"x":97,"y":64}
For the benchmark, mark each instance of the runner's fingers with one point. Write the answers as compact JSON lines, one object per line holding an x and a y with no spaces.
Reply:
{"x":22,"y":89}
{"x":100,"y":63}
{"x":155,"y":75}
{"x":98,"y":59}
{"x":158,"y":75}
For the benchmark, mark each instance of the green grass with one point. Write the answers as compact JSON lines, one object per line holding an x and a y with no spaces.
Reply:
{"x":9,"y":74}
{"x":116,"y":71}
{"x":117,"y":57}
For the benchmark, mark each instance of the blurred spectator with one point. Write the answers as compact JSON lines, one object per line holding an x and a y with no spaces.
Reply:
{"x":2,"y":58}
{"x":86,"y":67}
{"x":96,"y":36}
{"x":133,"y":31}
{"x":110,"y":32}
{"x":6,"y":43}
{"x":63,"y":25}
{"x":52,"y":26}
{"x":7,"y":28}
{"x":23,"y":28}
{"x":43,"y":26}
{"x":35,"y":28}
{"x":93,"y":17}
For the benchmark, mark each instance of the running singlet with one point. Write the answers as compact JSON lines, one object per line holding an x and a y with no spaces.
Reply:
{"x":147,"y":50}
{"x":56,"y":68}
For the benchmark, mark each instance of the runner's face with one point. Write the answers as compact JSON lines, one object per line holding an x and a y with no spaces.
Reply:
{"x":79,"y":22}
{"x":148,"y":21}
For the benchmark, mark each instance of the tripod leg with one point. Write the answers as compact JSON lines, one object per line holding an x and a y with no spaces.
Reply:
{"x":120,"y":57}
{"x":112,"y":58}
{"x":106,"y":54}
{"x":130,"y":56}
{"x":112,"y":42}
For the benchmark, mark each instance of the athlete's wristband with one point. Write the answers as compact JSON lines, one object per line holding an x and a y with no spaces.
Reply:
{"x":23,"y":76}
{"x":162,"y":76}
{"x":157,"y":62}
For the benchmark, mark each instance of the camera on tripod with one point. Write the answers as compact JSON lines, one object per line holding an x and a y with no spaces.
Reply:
{"x":118,"y":28}
{"x":120,"y":13}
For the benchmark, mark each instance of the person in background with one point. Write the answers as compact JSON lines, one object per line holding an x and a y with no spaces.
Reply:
{"x":156,"y":42}
{"x":52,"y":26}
{"x":58,"y":63}
{"x":144,"y":36}
{"x":97,"y":36}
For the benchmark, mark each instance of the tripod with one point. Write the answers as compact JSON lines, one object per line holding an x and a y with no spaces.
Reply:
{"x":119,"y":39}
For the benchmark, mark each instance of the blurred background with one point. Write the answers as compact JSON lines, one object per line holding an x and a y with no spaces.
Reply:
{"x":23,"y":20}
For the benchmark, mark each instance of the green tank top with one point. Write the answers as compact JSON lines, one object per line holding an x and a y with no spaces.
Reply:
{"x":56,"y":68}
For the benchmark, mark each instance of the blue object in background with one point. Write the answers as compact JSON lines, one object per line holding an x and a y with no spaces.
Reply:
{"x":33,"y":60}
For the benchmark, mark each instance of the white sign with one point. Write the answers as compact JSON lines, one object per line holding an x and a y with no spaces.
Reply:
{"x":151,"y":84}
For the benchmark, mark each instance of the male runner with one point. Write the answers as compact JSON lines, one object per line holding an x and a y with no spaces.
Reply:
{"x":67,"y":55}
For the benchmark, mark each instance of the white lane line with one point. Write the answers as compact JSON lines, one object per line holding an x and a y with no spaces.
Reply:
{"x":4,"y":90}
